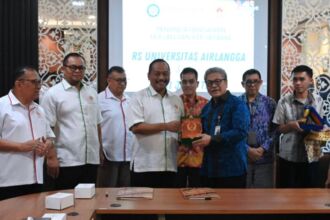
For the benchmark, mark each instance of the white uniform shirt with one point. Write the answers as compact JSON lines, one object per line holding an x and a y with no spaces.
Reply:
{"x":75,"y":115}
{"x":21,"y":124}
{"x":116,"y":138}
{"x":155,"y":152}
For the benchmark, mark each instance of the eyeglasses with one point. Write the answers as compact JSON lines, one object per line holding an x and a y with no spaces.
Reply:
{"x":120,"y":80}
{"x":296,"y":79}
{"x":217,"y":82}
{"x":35,"y":82}
{"x":75,"y":68}
{"x":252,"y":82}
{"x":188,"y":82}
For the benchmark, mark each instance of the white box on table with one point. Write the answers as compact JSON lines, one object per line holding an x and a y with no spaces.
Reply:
{"x":59,"y":201}
{"x":84,"y":191}
{"x":55,"y":216}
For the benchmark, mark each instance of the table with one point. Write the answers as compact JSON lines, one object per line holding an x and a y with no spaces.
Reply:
{"x":232,"y":202}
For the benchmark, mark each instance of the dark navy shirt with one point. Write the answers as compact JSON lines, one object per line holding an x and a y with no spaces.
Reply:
{"x":226,"y":155}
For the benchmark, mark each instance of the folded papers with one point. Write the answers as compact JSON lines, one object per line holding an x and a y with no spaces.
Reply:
{"x":135,"y":193}
{"x":199,"y":193}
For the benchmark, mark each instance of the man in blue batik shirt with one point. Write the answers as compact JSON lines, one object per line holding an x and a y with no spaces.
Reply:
{"x":259,"y":141}
{"x":225,"y":121}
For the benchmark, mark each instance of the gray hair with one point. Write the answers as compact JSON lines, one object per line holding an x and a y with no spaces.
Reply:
{"x":215,"y":70}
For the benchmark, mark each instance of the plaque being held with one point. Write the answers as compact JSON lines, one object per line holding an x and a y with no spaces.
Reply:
{"x":191,"y":130}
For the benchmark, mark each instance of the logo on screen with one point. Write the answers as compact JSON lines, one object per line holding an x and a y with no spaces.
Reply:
{"x":153,"y":10}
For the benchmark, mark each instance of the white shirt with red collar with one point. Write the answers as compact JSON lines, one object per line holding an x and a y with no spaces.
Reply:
{"x":20,"y":124}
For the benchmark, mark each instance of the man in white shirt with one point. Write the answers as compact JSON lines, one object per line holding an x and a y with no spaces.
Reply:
{"x":117,"y":143}
{"x":155,"y":120}
{"x":25,"y":136}
{"x":72,"y":110}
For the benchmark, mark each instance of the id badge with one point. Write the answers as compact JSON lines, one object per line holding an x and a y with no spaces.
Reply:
{"x":217,"y":130}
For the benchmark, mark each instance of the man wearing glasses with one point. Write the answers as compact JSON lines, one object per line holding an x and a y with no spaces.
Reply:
{"x":73,"y":112}
{"x":117,"y":143}
{"x":25,"y":136}
{"x":295,"y":170}
{"x":225,"y":121}
{"x":259,"y":141}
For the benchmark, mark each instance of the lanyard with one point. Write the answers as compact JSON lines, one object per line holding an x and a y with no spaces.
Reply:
{"x":219,"y":117}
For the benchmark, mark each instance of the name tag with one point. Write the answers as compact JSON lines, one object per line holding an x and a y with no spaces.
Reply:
{"x":217,"y":130}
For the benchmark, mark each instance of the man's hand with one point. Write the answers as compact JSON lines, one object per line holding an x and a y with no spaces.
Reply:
{"x":255,"y":154}
{"x":173,"y":126}
{"x":203,"y":141}
{"x":39,"y":146}
{"x":326,"y":128}
{"x":294,"y":125}
{"x":102,"y":157}
{"x":327,"y":182}
{"x":53,"y":165}
{"x":28,"y":146}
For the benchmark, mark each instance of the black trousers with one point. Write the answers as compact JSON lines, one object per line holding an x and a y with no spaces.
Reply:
{"x":153,"y":179}
{"x":298,"y":175}
{"x":70,"y":177}
{"x":224,"y":182}
{"x":13,"y":191}
{"x":188,"y":177}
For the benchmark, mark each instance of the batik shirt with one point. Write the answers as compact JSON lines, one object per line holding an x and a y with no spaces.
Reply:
{"x":187,"y":156}
{"x":261,"y":114}
{"x":226,"y":155}
{"x":289,"y":108}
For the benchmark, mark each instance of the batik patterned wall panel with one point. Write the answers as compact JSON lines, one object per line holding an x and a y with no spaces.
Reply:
{"x":306,"y":40}
{"x":66,"y":26}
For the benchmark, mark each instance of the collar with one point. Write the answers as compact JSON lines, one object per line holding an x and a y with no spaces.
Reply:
{"x":110,"y":95}
{"x":310,"y":98}
{"x":67,"y":85}
{"x":153,"y":92}
{"x":245,"y":98}
{"x":221,"y":99}
{"x":14,"y":101}
{"x":185,"y":98}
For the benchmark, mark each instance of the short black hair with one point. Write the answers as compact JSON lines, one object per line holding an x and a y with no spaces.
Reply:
{"x":189,"y":70}
{"x":249,"y":73}
{"x":215,"y":70}
{"x":74,"y":54}
{"x":118,"y":69}
{"x":157,"y":61}
{"x":20,"y":71}
{"x":303,"y":68}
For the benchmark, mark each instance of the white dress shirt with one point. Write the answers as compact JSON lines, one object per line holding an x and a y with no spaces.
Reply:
{"x":116,"y":138}
{"x":75,"y":115}
{"x":154,"y":152}
{"x":20,"y":124}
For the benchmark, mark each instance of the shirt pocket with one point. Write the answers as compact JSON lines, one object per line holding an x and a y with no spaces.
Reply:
{"x":172,"y":112}
{"x":91,"y":106}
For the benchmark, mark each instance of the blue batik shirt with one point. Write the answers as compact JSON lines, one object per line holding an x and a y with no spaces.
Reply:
{"x":262,"y":110}
{"x":226,"y":155}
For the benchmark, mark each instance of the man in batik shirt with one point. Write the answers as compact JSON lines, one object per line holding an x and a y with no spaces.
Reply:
{"x":259,"y":141}
{"x":189,"y":158}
